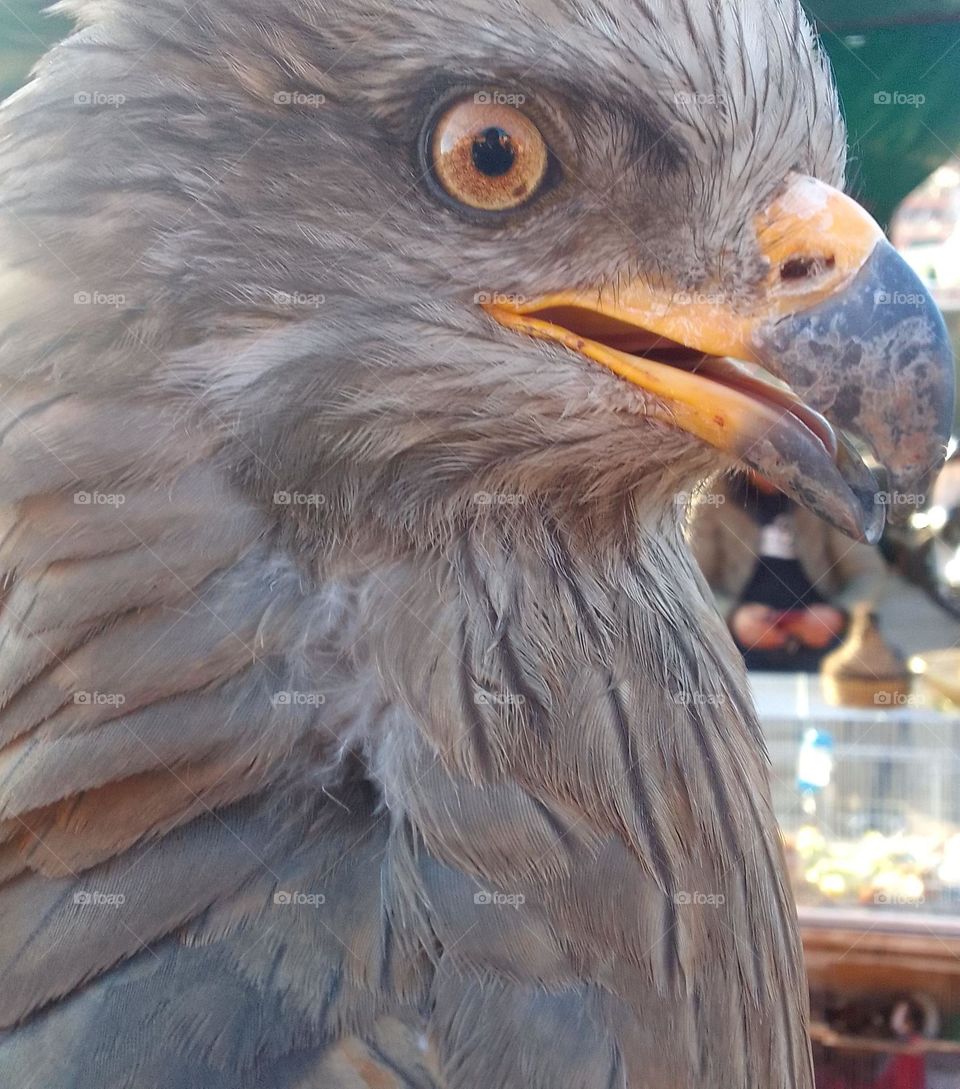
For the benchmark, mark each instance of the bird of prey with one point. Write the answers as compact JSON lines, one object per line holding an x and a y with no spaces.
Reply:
{"x":364,"y":720}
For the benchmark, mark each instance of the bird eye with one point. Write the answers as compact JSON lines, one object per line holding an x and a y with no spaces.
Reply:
{"x":488,"y":156}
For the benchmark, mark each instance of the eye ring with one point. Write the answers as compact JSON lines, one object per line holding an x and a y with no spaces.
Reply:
{"x":487,"y":156}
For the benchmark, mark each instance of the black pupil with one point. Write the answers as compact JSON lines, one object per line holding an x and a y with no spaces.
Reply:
{"x":493,"y":152}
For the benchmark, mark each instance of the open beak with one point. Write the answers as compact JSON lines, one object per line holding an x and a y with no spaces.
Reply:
{"x":842,"y":322}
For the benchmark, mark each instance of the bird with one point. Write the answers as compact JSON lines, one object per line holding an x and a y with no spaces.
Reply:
{"x":364,"y":720}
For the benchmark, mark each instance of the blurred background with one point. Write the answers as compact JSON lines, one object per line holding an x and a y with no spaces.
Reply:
{"x":857,"y":677}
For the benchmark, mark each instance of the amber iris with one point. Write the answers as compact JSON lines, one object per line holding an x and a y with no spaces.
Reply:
{"x":488,"y":156}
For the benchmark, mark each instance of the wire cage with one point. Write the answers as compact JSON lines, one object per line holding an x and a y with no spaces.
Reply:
{"x":868,"y":800}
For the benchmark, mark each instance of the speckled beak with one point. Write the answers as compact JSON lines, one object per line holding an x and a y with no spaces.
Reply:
{"x":876,"y":360}
{"x":842,"y":322}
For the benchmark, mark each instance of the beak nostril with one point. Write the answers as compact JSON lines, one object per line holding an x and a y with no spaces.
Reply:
{"x":806,"y":268}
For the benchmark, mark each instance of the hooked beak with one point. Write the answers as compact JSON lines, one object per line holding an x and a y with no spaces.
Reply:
{"x":841,"y":320}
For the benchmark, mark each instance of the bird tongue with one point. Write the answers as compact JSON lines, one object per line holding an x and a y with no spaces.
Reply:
{"x":757,"y":419}
{"x":780,"y":436}
{"x":734,"y":375}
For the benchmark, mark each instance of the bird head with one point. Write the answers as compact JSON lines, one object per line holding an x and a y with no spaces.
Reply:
{"x":405,"y":255}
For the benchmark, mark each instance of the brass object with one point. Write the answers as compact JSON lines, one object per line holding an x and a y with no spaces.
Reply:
{"x":865,"y":671}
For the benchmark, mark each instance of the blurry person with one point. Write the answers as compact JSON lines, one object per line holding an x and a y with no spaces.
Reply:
{"x":905,"y":1070}
{"x":783,"y":579}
